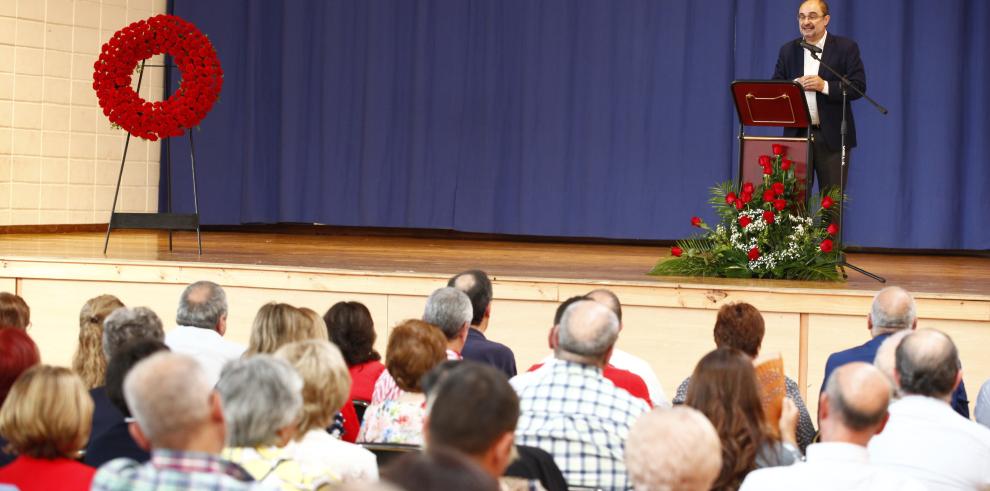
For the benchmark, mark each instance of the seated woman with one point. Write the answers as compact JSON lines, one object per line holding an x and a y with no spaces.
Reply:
{"x":14,"y":311}
{"x":17,"y":353}
{"x":89,"y":361}
{"x":723,"y":388}
{"x":46,"y":420}
{"x":352,"y":330}
{"x":414,"y":348}
{"x":262,"y":401}
{"x":325,"y":387}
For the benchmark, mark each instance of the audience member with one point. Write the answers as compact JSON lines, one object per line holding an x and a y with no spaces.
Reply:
{"x":570,"y":410}
{"x":277,"y":324}
{"x":886,"y":360}
{"x":852,"y":409}
{"x":723,"y":387}
{"x":262,"y":402}
{"x":623,"y":379}
{"x":179,"y":417}
{"x":353,"y":331}
{"x":924,"y":438}
{"x":116,"y":441}
{"x":325,"y":389}
{"x":472,"y":409}
{"x":627,"y":361}
{"x":414,"y":348}
{"x":983,"y":405}
{"x":740,"y":326}
{"x":893,"y":310}
{"x":202,"y":323}
{"x":478,"y":287}
{"x":318,"y":328}
{"x":17,"y":353}
{"x":448,"y":309}
{"x":89,"y":361}
{"x":14,"y":311}
{"x":45,"y":420}
{"x":441,"y":470}
{"x":673,"y":450}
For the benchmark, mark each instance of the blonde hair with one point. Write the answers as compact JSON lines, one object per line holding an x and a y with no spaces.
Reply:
{"x":277,"y":324}
{"x":48,"y":413}
{"x":89,"y":361}
{"x":326,"y":381}
{"x":318,"y":328}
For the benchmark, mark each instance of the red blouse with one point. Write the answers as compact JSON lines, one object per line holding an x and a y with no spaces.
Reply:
{"x":363,"y":378}
{"x":31,"y":474}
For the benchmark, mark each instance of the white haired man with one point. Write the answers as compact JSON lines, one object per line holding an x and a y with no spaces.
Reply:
{"x":202,"y":323}
{"x":673,"y":450}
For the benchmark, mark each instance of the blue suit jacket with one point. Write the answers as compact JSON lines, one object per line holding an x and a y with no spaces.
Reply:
{"x":842,"y":54}
{"x":868,"y":351}
{"x":480,"y":349}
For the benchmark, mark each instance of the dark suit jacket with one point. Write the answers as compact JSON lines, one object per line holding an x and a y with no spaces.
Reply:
{"x":105,"y":414}
{"x":480,"y":349}
{"x":842,"y":54}
{"x":867,"y":352}
{"x":112,"y":443}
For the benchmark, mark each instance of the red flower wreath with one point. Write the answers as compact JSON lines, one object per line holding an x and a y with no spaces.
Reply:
{"x":193,"y":53}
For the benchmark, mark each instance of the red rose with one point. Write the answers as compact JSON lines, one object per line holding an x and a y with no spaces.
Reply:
{"x":730,"y":198}
{"x":754,"y":254}
{"x":786,"y":164}
{"x":779,"y":204}
{"x":778,"y":188}
{"x":746,"y":197}
{"x":676,"y":251}
{"x":826,"y":245}
{"x":768,"y":170}
{"x":739,"y":204}
{"x":777,"y":149}
{"x":827,"y":202}
{"x":744,"y":220}
{"x":764,"y":160}
{"x":768,"y":195}
{"x":696,"y":222}
{"x":832,"y":229}
{"x":768,"y":216}
{"x":748,"y":188}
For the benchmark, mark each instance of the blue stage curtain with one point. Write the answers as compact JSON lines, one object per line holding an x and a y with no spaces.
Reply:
{"x":598,"y":118}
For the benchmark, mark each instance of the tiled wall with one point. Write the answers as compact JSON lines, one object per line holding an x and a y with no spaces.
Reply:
{"x":59,"y":155}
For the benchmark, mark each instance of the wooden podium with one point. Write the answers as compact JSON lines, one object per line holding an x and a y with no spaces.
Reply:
{"x":775,"y":103}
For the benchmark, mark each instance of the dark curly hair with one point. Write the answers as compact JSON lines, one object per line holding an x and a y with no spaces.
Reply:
{"x":350,"y":327}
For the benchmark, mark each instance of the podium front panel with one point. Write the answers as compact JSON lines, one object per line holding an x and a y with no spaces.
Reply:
{"x":795,"y":149}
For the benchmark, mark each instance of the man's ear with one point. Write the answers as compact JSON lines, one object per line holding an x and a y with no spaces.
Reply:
{"x":883,"y":424}
{"x":464,"y":331}
{"x":139,"y":437}
{"x":221,"y":326}
{"x":552,"y":338}
{"x":216,"y":407}
{"x":502,"y":451}
{"x":869,"y":322}
{"x":488,"y":310}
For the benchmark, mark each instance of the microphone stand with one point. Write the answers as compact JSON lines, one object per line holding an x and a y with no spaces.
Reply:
{"x":845,"y":84}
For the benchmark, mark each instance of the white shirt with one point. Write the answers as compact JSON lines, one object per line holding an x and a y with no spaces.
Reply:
{"x":830,"y":466}
{"x":207,"y":346}
{"x":811,"y":66}
{"x":320,"y":449}
{"x":927,"y":440}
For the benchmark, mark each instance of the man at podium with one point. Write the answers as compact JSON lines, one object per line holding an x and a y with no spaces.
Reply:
{"x":823,"y":90}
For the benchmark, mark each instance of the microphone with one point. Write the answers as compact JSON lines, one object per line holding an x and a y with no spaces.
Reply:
{"x":810,"y":47}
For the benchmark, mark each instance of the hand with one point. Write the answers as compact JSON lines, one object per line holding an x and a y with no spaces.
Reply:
{"x":811,"y":82}
{"x":788,"y":421}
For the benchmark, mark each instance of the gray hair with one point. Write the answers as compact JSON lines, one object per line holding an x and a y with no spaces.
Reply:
{"x":448,"y":308}
{"x":893,"y":309}
{"x":261,"y":394}
{"x":202,"y":304}
{"x":169,"y":396}
{"x":127,"y":324}
{"x":588,"y":329}
{"x":673,"y":449}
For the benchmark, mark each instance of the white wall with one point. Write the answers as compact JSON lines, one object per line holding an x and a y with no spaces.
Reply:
{"x":59,"y":156}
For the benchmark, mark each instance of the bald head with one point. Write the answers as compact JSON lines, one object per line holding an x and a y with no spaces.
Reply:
{"x":478,"y":287}
{"x":608,"y":299}
{"x":169,"y":396}
{"x":588,"y":329}
{"x":858,"y":395}
{"x":927,"y":364}
{"x":893,"y":310}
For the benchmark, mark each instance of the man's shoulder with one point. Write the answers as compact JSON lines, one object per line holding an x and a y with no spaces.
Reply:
{"x":118,"y":473}
{"x":769,"y":478}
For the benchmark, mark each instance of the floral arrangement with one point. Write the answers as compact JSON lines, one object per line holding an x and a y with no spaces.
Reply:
{"x":202,"y":77}
{"x":765,"y":231}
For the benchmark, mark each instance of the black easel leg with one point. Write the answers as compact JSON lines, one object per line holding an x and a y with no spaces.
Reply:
{"x":168,"y":184}
{"x":116,"y":193}
{"x":192,"y":163}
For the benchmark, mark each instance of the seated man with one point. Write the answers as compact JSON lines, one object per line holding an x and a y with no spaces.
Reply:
{"x":924,"y":438}
{"x":570,"y":410}
{"x":673,"y":449}
{"x":893,"y":310}
{"x":179,"y":417}
{"x":478,"y":287}
{"x":202,"y":319}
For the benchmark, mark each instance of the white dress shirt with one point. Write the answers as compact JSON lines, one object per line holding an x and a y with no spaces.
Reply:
{"x":830,"y":466}
{"x":927,"y":440}
{"x":207,"y":346}
{"x":811,"y":66}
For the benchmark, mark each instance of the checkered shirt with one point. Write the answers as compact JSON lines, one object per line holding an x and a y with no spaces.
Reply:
{"x":581,"y":418}
{"x":170,"y":470}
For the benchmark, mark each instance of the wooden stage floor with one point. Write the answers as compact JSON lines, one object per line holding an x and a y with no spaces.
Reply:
{"x":931,"y":274}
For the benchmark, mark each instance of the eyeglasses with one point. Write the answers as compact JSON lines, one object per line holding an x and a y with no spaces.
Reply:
{"x":813,"y":17}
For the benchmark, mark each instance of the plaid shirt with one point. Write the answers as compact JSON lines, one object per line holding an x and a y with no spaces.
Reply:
{"x":581,"y":418}
{"x":170,"y":470}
